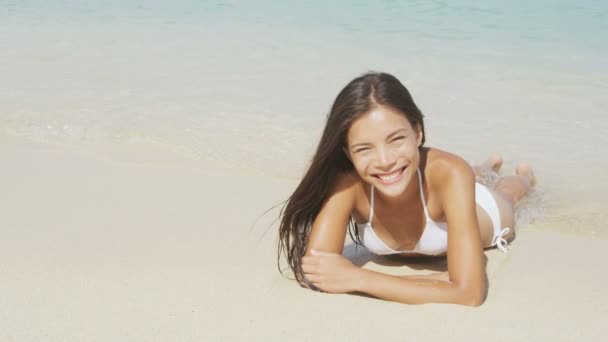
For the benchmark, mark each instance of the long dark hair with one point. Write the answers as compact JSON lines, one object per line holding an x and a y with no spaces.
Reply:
{"x":358,"y":97}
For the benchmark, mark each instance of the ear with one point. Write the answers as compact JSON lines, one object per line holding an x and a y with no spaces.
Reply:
{"x":419,"y":134}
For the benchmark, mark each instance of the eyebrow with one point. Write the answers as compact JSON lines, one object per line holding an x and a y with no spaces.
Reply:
{"x":387,"y":137}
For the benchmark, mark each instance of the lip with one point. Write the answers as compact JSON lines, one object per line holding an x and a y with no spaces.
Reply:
{"x":391,"y":180}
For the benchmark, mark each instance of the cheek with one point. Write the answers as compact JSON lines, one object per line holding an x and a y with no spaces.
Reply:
{"x":409,"y":150}
{"x":361,"y":163}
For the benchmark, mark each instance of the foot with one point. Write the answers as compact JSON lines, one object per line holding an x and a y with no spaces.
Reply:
{"x":494,"y":163}
{"x":524,"y":170}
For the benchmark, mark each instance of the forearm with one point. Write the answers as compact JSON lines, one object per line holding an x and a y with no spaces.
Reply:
{"x":416,"y":290}
{"x":445,"y":276}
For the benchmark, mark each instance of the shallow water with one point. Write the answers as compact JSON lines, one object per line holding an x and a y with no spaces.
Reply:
{"x":248,"y":85}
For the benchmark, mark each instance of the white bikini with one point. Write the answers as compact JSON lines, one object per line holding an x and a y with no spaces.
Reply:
{"x":434,"y":239}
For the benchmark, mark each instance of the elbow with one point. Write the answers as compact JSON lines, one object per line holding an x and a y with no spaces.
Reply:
{"x":473,"y":296}
{"x":474,"y":301}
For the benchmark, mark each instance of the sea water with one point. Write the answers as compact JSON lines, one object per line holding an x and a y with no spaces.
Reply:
{"x":248,"y":84}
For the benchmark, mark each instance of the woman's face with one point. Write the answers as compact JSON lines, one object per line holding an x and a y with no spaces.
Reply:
{"x":383,"y":147}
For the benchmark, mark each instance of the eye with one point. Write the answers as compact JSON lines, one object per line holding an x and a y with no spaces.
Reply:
{"x":399,"y":138}
{"x":362,"y":149}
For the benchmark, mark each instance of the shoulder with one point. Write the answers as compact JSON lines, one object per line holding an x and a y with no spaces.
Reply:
{"x":347,"y":186}
{"x":346,"y":181}
{"x":445,"y":170}
{"x":330,"y":224}
{"x":349,"y":193}
{"x":452,"y":180}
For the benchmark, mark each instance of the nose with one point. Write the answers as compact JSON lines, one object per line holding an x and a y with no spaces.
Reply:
{"x":385,"y":158}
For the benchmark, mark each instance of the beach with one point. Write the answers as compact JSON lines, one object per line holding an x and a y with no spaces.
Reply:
{"x":145,"y":152}
{"x":151,"y":246}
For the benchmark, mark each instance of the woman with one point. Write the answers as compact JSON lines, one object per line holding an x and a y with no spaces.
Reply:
{"x":372,"y":173}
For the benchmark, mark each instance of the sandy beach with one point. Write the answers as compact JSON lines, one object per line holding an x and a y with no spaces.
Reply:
{"x":145,"y":145}
{"x":116,"y":245}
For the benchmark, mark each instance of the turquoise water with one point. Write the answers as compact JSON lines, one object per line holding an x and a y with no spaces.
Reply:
{"x":561,"y":33}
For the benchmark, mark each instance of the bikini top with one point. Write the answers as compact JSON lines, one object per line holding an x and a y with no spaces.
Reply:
{"x":434,"y":239}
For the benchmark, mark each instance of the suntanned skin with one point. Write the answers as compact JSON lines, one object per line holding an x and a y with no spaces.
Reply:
{"x":381,"y":143}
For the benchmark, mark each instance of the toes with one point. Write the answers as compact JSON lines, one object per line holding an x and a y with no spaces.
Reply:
{"x":523,"y":169}
{"x":495,"y":161}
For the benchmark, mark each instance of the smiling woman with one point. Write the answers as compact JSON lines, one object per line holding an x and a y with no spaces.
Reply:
{"x":371,"y":166}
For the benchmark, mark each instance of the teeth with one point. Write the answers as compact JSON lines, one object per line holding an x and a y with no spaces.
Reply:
{"x":390,"y":176}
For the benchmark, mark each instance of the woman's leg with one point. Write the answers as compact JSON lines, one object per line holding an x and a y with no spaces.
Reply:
{"x":513,"y":188}
{"x":494,"y":162}
{"x":507,"y":192}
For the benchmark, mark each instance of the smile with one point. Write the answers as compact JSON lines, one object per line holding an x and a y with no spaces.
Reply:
{"x":392,"y":177}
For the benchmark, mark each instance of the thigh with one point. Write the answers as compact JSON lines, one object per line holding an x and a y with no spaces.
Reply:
{"x":486,"y":229}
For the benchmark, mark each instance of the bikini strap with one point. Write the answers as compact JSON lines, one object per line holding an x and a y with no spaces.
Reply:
{"x":371,"y":208}
{"x":422,"y":193}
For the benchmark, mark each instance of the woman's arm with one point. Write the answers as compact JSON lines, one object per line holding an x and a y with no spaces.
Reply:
{"x":328,"y":230}
{"x":445,"y":276}
{"x":465,"y":285}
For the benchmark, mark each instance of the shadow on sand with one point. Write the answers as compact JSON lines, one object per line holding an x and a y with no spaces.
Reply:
{"x":360,"y":256}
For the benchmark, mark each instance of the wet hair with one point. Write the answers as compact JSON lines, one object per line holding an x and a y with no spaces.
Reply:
{"x":359,"y":97}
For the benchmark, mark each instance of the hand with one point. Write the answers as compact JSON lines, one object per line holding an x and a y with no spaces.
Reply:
{"x":331,"y":272}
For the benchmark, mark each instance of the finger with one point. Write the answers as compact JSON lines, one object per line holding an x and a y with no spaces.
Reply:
{"x":321,"y":253}
{"x":313,"y":278}
{"x":310,"y":260}
{"x":307,"y":285}
{"x":307,"y":268}
{"x":311,"y":286}
{"x":318,"y":287}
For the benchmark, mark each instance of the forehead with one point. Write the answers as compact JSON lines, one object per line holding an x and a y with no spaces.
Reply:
{"x":377,"y":124}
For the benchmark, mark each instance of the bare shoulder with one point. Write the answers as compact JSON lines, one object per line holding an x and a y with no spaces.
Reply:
{"x":346,"y":181}
{"x":330,"y":224}
{"x":443,"y":168}
{"x":353,"y":193}
{"x":347,"y":188}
